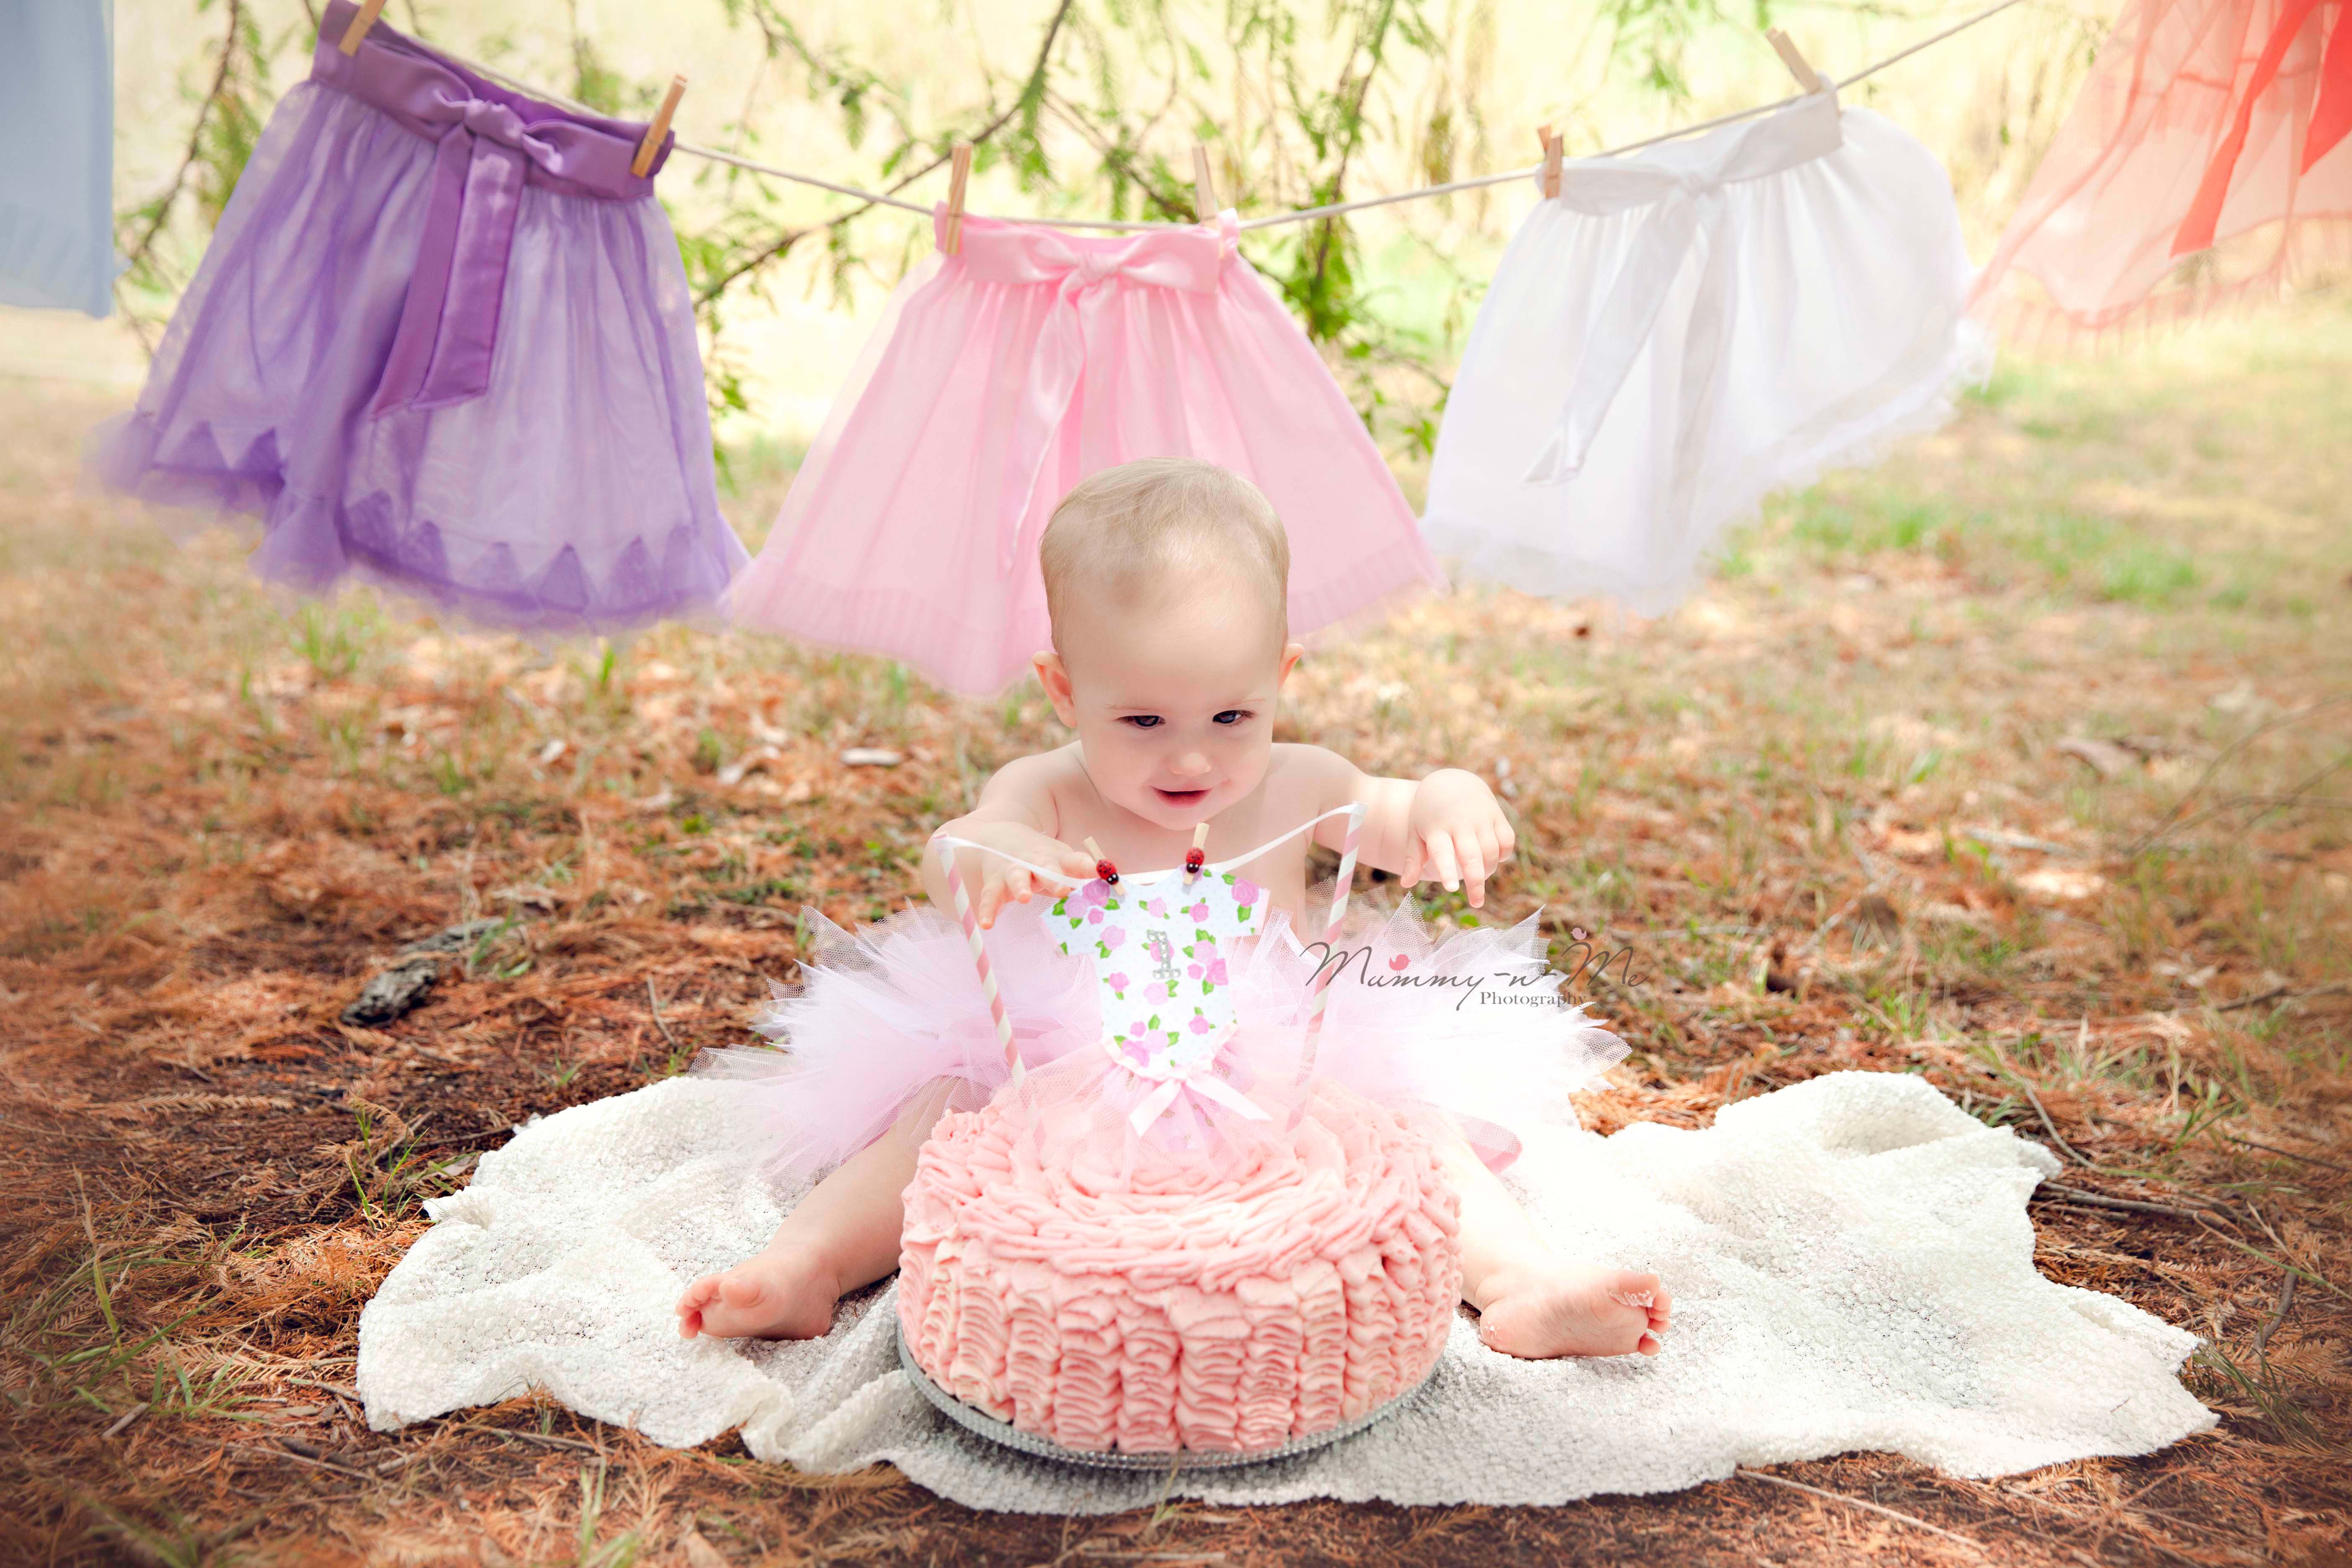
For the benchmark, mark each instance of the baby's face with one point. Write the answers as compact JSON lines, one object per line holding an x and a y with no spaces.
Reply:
{"x":1172,"y":697}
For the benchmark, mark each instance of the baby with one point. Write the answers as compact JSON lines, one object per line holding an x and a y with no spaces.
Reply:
{"x":1166,"y":583}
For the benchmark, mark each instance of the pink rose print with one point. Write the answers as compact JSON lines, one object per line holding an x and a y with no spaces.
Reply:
{"x":1199,"y":1025}
{"x":1193,"y":969}
{"x":1117,"y":982}
{"x":1200,"y":911}
{"x":1093,"y":917}
{"x":1216,"y":976}
{"x":1137,"y":1051}
{"x":1113,"y":935}
{"x":1137,"y":1029}
{"x":1155,"y":992}
{"x":1097,"y":892}
{"x":1246,"y":891}
{"x":1157,"y":906}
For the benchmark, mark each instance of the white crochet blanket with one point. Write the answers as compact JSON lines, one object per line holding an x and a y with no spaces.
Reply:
{"x":1850,"y":1259}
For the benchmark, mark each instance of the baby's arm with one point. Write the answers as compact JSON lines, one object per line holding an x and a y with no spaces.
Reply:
{"x":1448,"y":825}
{"x":1016,"y":816}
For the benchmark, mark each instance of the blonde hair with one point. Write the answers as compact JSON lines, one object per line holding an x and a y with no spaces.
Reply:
{"x":1163,"y":518}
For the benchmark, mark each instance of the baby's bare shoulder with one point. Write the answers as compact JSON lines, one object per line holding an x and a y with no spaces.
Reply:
{"x":1036,"y":785}
{"x":1308,"y":778}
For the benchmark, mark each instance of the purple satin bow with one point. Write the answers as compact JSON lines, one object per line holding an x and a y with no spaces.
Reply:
{"x":490,"y":143}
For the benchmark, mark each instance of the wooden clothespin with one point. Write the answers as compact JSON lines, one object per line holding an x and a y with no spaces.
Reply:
{"x":368,"y":13}
{"x":652,"y":143}
{"x":959,"y":176}
{"x":1790,"y":56}
{"x":1552,"y":145}
{"x":1204,"y":190}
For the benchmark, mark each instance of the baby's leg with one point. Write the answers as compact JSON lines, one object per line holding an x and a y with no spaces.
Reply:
{"x":1531,"y":1301}
{"x":844,"y":1233}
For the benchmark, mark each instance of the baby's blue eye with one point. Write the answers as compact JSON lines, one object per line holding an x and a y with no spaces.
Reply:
{"x":1234,"y":716}
{"x":1143,"y":721}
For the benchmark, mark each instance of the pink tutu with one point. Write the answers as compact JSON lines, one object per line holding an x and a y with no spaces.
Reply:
{"x":1468,"y":1022}
{"x":2201,"y":121}
{"x":1004,"y":375}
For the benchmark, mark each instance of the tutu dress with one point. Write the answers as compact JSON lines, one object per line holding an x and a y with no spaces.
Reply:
{"x":56,"y":194}
{"x":1682,"y":332}
{"x":2200,"y":121}
{"x":441,"y":340}
{"x":1166,"y":1021}
{"x":1002,"y":375}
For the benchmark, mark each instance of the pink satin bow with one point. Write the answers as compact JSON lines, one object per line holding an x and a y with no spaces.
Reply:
{"x":1195,"y":1073}
{"x":1085,"y":274}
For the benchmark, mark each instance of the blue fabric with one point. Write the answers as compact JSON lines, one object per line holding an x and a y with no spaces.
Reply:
{"x":56,"y":177}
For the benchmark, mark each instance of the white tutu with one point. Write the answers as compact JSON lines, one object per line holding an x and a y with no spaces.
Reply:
{"x":1686,"y":330}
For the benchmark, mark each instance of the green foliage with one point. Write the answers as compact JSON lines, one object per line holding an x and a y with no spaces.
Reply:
{"x":1287,"y":99}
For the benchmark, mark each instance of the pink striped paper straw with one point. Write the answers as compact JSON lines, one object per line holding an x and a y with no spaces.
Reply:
{"x":1339,"y":891}
{"x":980,"y":960}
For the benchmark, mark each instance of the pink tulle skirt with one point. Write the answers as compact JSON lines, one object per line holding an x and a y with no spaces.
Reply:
{"x":1002,"y":375}
{"x":2201,"y":121}
{"x":1469,"y":1023}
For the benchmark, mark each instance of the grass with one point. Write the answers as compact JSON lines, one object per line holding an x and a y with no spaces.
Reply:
{"x":1824,"y":812}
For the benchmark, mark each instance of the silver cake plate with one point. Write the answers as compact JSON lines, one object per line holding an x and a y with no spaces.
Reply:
{"x":982,"y":1424}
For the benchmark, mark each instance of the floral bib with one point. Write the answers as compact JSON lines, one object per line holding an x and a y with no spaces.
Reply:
{"x":1159,"y":948}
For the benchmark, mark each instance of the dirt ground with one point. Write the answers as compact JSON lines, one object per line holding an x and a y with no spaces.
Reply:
{"x":2020,"y":762}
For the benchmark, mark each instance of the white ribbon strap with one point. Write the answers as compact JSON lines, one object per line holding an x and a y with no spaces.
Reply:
{"x":1682,"y":184}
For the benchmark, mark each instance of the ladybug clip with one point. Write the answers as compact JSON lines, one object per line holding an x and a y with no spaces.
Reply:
{"x":1103,"y":867}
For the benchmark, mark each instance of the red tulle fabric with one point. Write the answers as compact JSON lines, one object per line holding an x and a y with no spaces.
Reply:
{"x":2201,"y":121}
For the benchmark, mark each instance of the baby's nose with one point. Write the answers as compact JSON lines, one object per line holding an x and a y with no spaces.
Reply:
{"x":1191,"y":763}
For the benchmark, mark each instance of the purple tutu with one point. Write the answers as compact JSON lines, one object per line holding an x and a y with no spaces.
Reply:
{"x":441,"y":340}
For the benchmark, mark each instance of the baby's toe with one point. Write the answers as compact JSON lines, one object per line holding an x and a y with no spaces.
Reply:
{"x":741,"y":1291}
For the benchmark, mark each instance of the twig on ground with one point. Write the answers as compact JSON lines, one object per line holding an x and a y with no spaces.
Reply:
{"x":2137,"y":1206}
{"x":2035,"y":1100}
{"x":1857,"y":1502}
{"x":2286,"y":1301}
{"x":136,"y":1411}
{"x":2289,"y":1153}
{"x":653,"y":1000}
{"x":2172,"y":818}
{"x":302,"y":1459}
{"x":2285,"y":1265}
{"x":551,"y":1440}
{"x":2278,"y":990}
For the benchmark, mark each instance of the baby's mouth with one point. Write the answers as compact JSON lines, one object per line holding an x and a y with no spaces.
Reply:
{"x":1180,"y":798}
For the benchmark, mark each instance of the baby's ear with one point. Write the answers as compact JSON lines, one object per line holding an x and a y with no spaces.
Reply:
{"x":1291,"y":655}
{"x":1054,"y":677}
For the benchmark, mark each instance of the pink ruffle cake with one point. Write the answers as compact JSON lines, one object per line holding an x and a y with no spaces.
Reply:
{"x":1104,"y":1299}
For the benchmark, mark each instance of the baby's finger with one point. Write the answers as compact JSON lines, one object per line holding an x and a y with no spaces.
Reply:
{"x":1490,"y":849}
{"x":1473,"y":870}
{"x":1472,"y":855}
{"x":1440,"y":858}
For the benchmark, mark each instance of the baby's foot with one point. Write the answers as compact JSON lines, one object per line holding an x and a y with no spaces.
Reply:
{"x":1554,"y":1309}
{"x":768,"y":1296}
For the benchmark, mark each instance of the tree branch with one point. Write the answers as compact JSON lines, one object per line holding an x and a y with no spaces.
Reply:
{"x":171,"y":196}
{"x":1033,"y":84}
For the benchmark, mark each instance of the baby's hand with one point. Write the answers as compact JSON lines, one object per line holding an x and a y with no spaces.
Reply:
{"x":1003,"y":882}
{"x":1457,"y":831}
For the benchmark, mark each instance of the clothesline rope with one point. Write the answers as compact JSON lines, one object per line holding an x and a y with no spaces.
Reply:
{"x":1302,"y":215}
